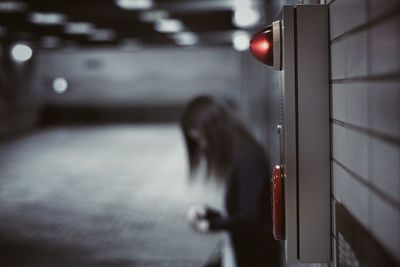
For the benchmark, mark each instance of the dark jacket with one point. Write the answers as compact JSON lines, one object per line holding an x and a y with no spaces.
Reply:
{"x":248,"y":206}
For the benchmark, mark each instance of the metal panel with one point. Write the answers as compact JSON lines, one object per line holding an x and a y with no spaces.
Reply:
{"x":313,"y":133}
{"x":289,"y":131}
{"x":276,"y":33}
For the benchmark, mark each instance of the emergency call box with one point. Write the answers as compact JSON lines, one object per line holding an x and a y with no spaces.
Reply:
{"x":298,"y":44}
{"x":305,"y":133}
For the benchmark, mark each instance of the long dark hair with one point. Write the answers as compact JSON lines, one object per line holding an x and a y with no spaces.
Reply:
{"x":220,"y":128}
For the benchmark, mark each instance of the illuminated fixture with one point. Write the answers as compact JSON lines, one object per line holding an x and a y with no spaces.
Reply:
{"x":168,"y":25}
{"x":185,"y":38}
{"x":102,"y":35}
{"x":47,"y":18}
{"x":153,"y":15}
{"x":79,"y":28}
{"x":60,"y":85}
{"x":246,"y":14}
{"x":240,"y":40}
{"x":134,"y":4}
{"x":261,"y":46}
{"x":21,"y":52}
{"x":12,"y":6}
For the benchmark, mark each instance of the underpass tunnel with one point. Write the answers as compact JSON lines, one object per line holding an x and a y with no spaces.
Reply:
{"x":93,"y":165}
{"x":92,"y":160}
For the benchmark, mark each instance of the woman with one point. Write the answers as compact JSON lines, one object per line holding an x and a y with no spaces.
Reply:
{"x":212,"y":133}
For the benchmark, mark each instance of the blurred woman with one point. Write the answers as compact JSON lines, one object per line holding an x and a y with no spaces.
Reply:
{"x":212,"y":133}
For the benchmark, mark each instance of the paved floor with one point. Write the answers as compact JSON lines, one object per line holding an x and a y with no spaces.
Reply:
{"x":99,"y":196}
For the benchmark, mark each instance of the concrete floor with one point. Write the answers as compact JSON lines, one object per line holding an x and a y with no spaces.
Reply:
{"x":99,"y":196}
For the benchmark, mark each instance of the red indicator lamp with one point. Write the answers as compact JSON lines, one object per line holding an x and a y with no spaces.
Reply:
{"x":261,"y":46}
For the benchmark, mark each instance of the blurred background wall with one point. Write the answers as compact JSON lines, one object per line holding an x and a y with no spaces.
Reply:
{"x":150,"y":84}
{"x":19,"y":102}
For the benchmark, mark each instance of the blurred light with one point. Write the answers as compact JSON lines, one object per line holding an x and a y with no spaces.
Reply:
{"x":134,"y":4}
{"x":186,"y":38}
{"x":102,"y":35}
{"x":240,"y":40}
{"x":47,"y":18}
{"x":21,"y":52}
{"x":153,"y":15}
{"x":246,"y":14}
{"x":79,"y":28}
{"x":12,"y":6}
{"x":168,"y":25}
{"x":60,"y":85}
{"x":50,"y":42}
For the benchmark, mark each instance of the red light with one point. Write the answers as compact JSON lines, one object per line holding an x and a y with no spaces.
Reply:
{"x":277,"y":203}
{"x":261,"y":46}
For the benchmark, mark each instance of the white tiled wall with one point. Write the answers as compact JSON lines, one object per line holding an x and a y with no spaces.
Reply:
{"x":346,"y":15}
{"x":365,"y":102}
{"x":385,"y":46}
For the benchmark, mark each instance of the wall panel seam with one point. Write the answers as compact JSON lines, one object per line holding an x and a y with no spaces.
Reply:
{"x":390,"y":139}
{"x":369,"y":24}
{"x":387,"y":77}
{"x":375,"y":190}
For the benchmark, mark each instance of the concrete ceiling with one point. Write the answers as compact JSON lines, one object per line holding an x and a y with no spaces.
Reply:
{"x":209,"y":20}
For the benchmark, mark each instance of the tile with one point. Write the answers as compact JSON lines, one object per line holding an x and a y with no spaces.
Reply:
{"x":356,"y":153}
{"x":338,"y":60}
{"x":384,"y":41}
{"x":338,"y":101}
{"x":339,"y":142}
{"x":385,"y":168}
{"x":384,"y":108}
{"x":381,"y":7}
{"x":356,"y":55}
{"x":338,"y":182}
{"x":350,"y":193}
{"x":349,"y":57}
{"x":357,"y":108}
{"x":355,"y":199}
{"x":346,"y":15}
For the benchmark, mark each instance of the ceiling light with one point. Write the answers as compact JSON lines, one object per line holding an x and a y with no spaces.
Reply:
{"x":79,"y":28}
{"x":47,"y":18}
{"x":60,"y":85}
{"x":246,"y":18}
{"x":21,"y":52}
{"x":168,"y":25}
{"x":134,"y":4}
{"x":102,"y":35}
{"x":153,"y":15}
{"x":12,"y":6}
{"x":240,"y":40}
{"x":246,"y":14}
{"x":186,"y":38}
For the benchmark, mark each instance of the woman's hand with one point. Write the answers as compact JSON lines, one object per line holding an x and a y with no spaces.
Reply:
{"x":197,"y":217}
